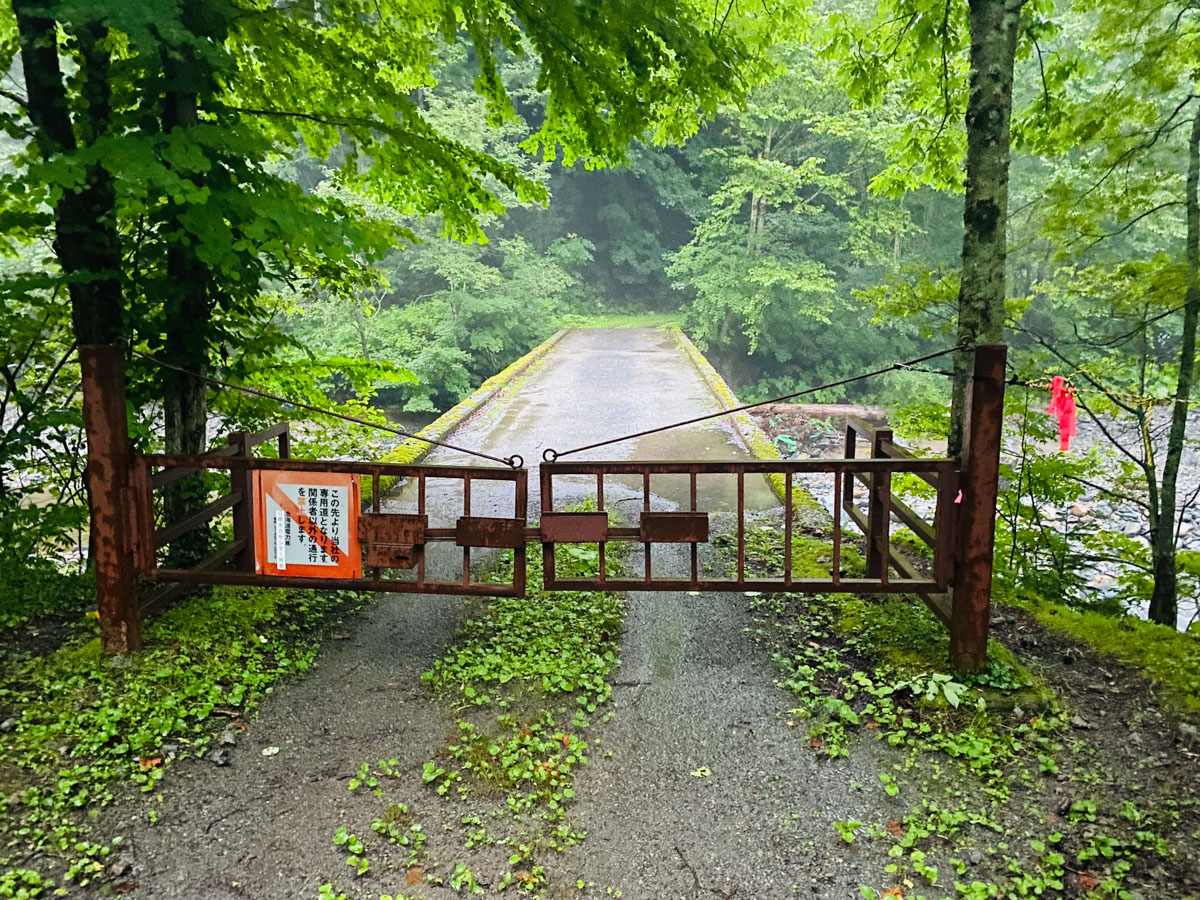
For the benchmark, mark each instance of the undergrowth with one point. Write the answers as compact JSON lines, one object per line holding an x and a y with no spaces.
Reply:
{"x":36,"y":591}
{"x":79,"y":727}
{"x":1000,"y":804}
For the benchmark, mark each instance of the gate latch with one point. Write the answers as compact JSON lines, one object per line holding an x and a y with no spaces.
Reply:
{"x":392,"y":540}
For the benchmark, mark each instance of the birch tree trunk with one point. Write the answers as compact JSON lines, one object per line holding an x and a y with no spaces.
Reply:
{"x":1163,"y":601}
{"x":994,"y":25}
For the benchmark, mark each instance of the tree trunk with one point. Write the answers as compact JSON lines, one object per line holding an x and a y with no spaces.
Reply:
{"x":994,"y":25}
{"x":758,"y":206}
{"x":187,"y":313}
{"x":1163,"y":602}
{"x":86,"y":241}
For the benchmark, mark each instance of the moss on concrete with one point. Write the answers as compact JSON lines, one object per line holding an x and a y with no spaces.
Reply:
{"x":752,"y":437}
{"x":413,"y":450}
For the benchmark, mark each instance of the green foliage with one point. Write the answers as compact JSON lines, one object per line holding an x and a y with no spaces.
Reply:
{"x":36,"y":590}
{"x":460,"y":314}
{"x":791,"y":231}
{"x":86,"y":726}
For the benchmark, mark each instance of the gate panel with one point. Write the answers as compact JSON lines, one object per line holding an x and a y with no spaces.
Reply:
{"x":691,"y":526}
{"x":391,"y":541}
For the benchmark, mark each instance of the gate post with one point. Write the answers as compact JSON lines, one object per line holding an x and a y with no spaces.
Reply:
{"x":983,"y":432}
{"x":877,"y":510}
{"x":243,"y":510}
{"x":109,"y":471}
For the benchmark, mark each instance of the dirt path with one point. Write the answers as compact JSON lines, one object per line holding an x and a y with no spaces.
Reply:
{"x":693,"y":692}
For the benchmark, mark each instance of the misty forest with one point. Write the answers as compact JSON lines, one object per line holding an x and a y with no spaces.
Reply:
{"x":508,"y":226}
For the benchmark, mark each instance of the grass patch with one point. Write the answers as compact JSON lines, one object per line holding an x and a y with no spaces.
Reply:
{"x":623,"y":320}
{"x":1164,"y":655}
{"x":79,"y":726}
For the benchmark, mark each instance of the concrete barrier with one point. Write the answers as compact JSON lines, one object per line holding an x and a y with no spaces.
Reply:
{"x":753,"y":438}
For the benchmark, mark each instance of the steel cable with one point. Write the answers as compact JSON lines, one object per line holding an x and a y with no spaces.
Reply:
{"x":515,"y":461}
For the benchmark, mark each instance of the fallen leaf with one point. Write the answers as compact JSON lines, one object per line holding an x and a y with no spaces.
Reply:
{"x":814,"y":645}
{"x":415,"y":875}
{"x":1088,"y":882}
{"x":702,"y":772}
{"x":871,"y":725}
{"x":270,"y":751}
{"x":341,"y":635}
{"x":146,"y":763}
{"x":895,"y":828}
{"x":897,"y":893}
{"x":566,"y":740}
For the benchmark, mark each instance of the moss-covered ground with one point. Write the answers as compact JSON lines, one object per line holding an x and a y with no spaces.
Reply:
{"x":76,"y":728}
{"x":1170,"y":659}
{"x":1014,"y":787}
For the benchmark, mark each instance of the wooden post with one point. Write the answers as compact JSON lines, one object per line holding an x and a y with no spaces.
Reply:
{"x":109,"y":474}
{"x":979,"y":481}
{"x":243,"y":511}
{"x":878,"y":510}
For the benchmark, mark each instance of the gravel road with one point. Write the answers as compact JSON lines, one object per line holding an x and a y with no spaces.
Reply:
{"x":694,"y":693}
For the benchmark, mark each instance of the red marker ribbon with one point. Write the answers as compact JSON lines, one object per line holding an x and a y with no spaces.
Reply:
{"x":1062,"y":405}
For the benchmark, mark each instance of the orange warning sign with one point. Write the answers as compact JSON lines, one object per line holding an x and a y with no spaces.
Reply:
{"x":306,"y":524}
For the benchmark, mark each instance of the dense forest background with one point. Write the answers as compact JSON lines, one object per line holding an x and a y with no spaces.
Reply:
{"x":808,"y":228}
{"x":760,"y":234}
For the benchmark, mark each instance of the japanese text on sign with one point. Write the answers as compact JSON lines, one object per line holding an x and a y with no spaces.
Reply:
{"x":309,"y":528}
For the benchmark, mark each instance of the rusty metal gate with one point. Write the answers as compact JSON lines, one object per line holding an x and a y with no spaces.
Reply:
{"x":395,"y":542}
{"x":388,"y":550}
{"x":691,"y":527}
